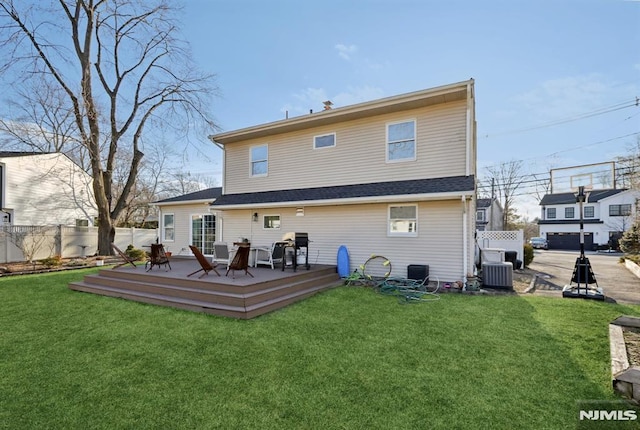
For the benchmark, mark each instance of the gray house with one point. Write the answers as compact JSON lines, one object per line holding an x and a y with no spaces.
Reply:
{"x":489,"y":215}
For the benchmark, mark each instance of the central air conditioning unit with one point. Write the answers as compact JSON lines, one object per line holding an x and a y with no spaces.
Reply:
{"x":497,"y":275}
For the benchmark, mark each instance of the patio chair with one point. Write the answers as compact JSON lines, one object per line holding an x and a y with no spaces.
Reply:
{"x":221,"y":253}
{"x":240,"y":261}
{"x":158,"y":257}
{"x":271,"y":256}
{"x":205,"y":265}
{"x":126,"y":259}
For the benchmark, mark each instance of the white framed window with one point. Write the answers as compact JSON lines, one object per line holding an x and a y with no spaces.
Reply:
{"x":480,"y":215}
{"x":324,"y":141}
{"x":168,"y":228}
{"x":82,"y":222}
{"x":271,"y":222}
{"x":401,"y":141}
{"x":569,"y":213}
{"x":259,"y":160}
{"x":403,"y":220}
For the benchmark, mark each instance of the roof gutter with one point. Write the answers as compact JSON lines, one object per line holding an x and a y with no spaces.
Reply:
{"x":351,"y":201}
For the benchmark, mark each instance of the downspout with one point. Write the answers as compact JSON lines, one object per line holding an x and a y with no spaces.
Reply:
{"x":224,"y":161}
{"x":469,"y":128}
{"x":219,"y":222}
{"x":464,"y":240}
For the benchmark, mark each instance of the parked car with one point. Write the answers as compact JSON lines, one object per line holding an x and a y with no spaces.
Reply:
{"x":539,"y":243}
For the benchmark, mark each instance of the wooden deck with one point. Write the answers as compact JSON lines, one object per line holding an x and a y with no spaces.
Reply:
{"x":238,"y":297}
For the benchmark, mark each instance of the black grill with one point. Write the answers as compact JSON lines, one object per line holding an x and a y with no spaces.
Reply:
{"x":297,"y":241}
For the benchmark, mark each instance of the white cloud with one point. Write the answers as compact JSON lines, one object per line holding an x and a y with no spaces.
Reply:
{"x":357,"y":95}
{"x":313,"y":98}
{"x":345,"y":51}
{"x":557,"y":98}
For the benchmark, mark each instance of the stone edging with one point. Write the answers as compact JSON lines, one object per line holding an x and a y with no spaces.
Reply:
{"x":633,"y":267}
{"x":625,"y":378}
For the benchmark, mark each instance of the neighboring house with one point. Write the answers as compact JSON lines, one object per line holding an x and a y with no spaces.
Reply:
{"x":186,"y":220}
{"x":489,"y":215}
{"x":392,"y":177}
{"x":607,"y":214}
{"x":44,"y":189}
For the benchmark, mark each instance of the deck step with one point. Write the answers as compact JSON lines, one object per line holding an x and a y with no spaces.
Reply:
{"x":247,"y":301}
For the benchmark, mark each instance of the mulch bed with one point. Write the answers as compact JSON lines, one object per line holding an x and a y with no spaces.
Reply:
{"x":24,"y":268}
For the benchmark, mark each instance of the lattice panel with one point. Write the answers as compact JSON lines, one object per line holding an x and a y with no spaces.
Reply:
{"x":500,"y":235}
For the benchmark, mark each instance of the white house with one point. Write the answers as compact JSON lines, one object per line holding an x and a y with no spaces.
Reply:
{"x":186,"y":220}
{"x":607,"y":214}
{"x":392,"y":177}
{"x":44,"y":189}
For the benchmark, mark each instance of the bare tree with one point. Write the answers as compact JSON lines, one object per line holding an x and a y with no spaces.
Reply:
{"x":122,"y":70}
{"x":507,"y":179}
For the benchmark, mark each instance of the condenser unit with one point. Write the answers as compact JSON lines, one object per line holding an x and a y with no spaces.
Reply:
{"x":497,"y":275}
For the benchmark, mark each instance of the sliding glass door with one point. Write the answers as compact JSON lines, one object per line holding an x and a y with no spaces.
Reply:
{"x":203,"y":232}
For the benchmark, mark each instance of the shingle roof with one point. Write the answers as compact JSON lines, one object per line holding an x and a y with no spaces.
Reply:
{"x":378,"y":189}
{"x":569,"y":198}
{"x":6,"y":154}
{"x":208,"y":194}
{"x":483,"y":203}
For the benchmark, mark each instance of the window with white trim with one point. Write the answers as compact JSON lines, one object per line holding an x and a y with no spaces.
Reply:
{"x":401,"y":141}
{"x":324,"y":141}
{"x":271,"y":222}
{"x":480,"y":215}
{"x":168,"y":228}
{"x":403,"y":220}
{"x":259,"y":160}
{"x":569,"y":212}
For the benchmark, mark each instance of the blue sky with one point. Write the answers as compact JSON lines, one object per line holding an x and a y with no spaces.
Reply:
{"x":552,"y":77}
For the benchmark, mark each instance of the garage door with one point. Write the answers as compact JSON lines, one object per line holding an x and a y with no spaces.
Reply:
{"x":569,"y":241}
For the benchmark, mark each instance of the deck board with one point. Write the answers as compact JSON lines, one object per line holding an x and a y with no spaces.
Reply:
{"x":241,"y":296}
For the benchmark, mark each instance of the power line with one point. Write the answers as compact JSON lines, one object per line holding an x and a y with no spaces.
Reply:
{"x":600,"y":111}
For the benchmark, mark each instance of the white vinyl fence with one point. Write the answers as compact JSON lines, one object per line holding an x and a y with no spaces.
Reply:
{"x":22,"y":243}
{"x":507,"y":240}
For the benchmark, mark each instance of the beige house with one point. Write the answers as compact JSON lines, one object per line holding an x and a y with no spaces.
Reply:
{"x":186,"y":220}
{"x":392,"y":177}
{"x":44,"y":189}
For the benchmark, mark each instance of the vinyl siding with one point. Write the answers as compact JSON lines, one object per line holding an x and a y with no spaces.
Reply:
{"x":47,"y":189}
{"x":359,"y":155}
{"x":363,"y":229}
{"x":182,"y":221}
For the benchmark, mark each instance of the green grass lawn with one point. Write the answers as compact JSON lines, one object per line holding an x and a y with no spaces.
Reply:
{"x":344,"y":359}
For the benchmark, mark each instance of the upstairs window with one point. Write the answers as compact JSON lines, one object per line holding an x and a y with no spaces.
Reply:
{"x":480,"y":215}
{"x":403,"y":220}
{"x":589,"y":212}
{"x":324,"y":141}
{"x":569,"y":212}
{"x":620,"y":210}
{"x":259,"y":160}
{"x":401,"y":141}
{"x":551,"y":213}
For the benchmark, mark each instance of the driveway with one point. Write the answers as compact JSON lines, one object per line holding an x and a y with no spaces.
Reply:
{"x":555,"y":268}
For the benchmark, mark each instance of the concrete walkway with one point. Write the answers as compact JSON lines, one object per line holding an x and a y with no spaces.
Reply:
{"x":556,"y":267}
